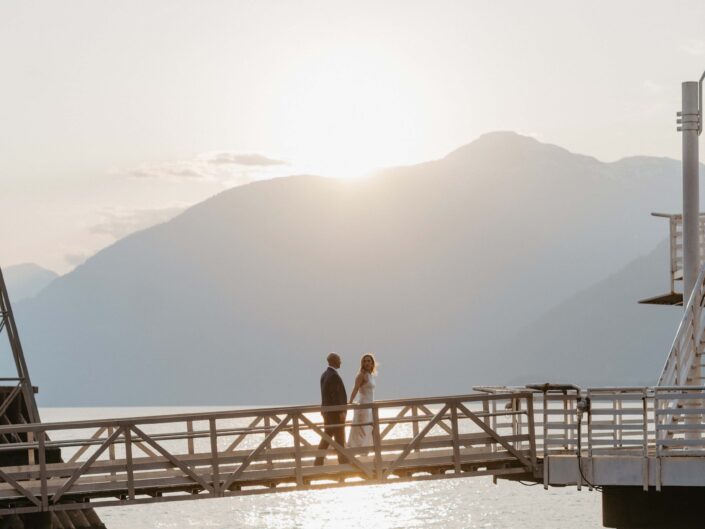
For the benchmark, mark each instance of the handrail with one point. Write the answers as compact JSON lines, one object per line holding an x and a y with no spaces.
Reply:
{"x":247,"y":412}
{"x":78,"y":442}
{"x":680,"y":359}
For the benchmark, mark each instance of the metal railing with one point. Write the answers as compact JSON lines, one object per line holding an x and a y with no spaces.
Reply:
{"x":641,"y":421}
{"x":675,"y":237}
{"x":687,"y":346}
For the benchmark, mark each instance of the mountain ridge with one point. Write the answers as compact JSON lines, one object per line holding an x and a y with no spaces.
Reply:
{"x":616,"y":297}
{"x":26,"y":280}
{"x":439,"y":261}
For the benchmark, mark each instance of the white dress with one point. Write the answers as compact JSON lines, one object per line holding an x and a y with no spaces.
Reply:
{"x":362,"y":435}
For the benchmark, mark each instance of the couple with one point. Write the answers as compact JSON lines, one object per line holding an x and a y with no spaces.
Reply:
{"x":333,"y":394}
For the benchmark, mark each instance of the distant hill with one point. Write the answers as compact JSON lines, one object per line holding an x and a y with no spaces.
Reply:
{"x":26,"y":280}
{"x":434,"y":267}
{"x":601,"y":333}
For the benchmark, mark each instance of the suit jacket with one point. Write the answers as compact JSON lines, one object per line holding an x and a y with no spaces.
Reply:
{"x":333,"y":394}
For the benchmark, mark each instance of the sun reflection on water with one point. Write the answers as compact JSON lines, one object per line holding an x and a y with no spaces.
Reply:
{"x":443,"y":504}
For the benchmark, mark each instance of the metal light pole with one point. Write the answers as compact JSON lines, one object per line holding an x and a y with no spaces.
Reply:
{"x":689,"y":119}
{"x":691,"y":125}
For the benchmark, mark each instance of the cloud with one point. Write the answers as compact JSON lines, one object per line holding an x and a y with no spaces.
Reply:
{"x":224,"y":167}
{"x":249,"y":160}
{"x":120,"y":222}
{"x":694,"y":47}
{"x":181,"y":170}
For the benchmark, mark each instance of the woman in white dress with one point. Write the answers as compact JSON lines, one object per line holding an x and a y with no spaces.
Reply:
{"x":361,"y":429}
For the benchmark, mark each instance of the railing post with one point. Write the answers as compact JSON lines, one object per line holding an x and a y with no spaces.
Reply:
{"x":645,"y":440}
{"x":693,"y":376}
{"x":297,"y":452}
{"x":520,"y":416}
{"x":128,"y":463}
{"x":493,"y":421}
{"x":189,"y":442}
{"x":456,"y":440}
{"x":589,"y":428}
{"x":659,"y":435}
{"x":578,"y":450}
{"x":589,"y":442}
{"x":486,"y":420}
{"x":544,"y":429}
{"x":214,"y":456}
{"x":30,"y":451}
{"x":532,"y":429}
{"x":677,"y":376}
{"x":565,"y":419}
{"x":43,"y":470}
{"x":674,"y":241}
{"x":268,"y":445}
{"x":415,"y":424}
{"x":111,"y":450}
{"x":658,"y":418}
{"x":618,"y":422}
{"x":694,"y":344}
{"x":377,"y":442}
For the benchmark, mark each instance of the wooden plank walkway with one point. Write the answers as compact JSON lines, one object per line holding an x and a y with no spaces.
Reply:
{"x":206,"y":455}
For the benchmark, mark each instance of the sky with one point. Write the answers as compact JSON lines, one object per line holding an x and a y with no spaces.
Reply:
{"x":115,"y":115}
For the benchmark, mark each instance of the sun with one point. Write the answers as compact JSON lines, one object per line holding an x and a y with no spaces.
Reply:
{"x":348,"y":113}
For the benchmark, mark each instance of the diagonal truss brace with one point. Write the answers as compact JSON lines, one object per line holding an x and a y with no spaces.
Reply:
{"x":7,"y":324}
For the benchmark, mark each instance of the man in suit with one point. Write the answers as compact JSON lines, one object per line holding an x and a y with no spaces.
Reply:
{"x":333,"y":394}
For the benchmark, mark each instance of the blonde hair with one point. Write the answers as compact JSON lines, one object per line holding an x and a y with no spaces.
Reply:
{"x":374,"y":363}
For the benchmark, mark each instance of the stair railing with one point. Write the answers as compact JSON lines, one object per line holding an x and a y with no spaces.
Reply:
{"x":686,"y":347}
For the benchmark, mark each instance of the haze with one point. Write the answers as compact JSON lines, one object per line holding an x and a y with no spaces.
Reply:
{"x":118,"y":114}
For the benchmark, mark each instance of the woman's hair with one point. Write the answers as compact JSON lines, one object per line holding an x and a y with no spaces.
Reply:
{"x":374,"y":363}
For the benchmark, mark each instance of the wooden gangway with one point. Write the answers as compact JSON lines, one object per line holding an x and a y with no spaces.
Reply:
{"x":253,"y":451}
{"x":645,"y":437}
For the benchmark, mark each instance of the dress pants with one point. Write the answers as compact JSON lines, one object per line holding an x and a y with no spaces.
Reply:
{"x":335,"y":428}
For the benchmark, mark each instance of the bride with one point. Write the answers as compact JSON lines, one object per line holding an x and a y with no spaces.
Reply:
{"x":361,"y":430}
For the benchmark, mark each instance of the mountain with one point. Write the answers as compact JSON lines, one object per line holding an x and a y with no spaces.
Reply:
{"x":26,"y":280}
{"x":433,"y":267}
{"x":600,"y":333}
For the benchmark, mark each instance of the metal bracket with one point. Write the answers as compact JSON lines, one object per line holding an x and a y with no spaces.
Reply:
{"x":693,"y":121}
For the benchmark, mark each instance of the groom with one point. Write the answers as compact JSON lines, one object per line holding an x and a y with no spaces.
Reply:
{"x":333,"y":394}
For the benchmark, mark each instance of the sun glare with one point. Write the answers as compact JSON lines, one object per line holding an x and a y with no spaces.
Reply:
{"x":349,"y":112}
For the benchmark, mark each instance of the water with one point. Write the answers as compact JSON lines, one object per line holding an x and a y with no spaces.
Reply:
{"x":464,"y":503}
